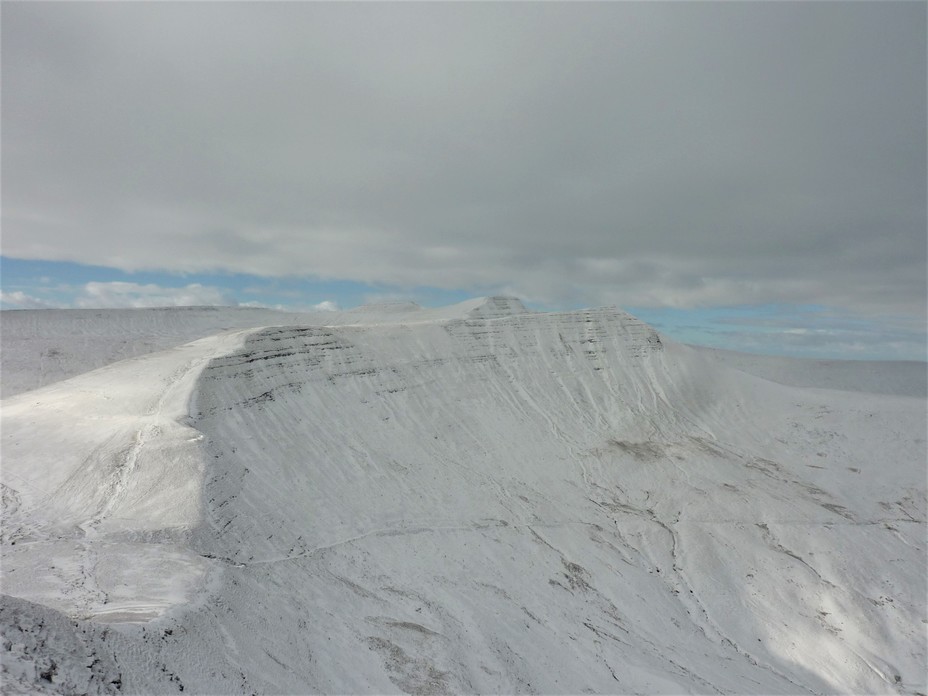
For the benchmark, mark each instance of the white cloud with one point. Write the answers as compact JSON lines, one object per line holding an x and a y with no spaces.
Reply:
{"x":263,"y":305}
{"x":20,"y":300}
{"x":120,"y":294}
{"x":117,"y":294}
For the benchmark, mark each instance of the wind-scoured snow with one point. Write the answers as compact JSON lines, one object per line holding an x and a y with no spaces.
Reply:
{"x":477,"y":499}
{"x":44,"y":346}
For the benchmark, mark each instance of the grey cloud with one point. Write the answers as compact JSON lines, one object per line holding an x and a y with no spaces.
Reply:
{"x":679,"y":153}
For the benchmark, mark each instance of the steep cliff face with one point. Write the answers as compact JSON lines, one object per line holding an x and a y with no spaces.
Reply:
{"x":487,"y":499}
{"x":353,"y":403}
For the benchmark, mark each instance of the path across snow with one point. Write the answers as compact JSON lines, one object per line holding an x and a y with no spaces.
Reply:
{"x":102,"y":479}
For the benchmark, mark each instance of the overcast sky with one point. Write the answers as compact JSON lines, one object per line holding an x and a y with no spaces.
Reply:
{"x":681,"y":155}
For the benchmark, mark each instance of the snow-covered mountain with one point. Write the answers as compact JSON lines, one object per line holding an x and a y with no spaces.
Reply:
{"x":40,"y":347}
{"x":474,"y":499}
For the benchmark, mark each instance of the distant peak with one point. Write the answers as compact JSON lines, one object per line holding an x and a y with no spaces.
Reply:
{"x":498,"y":306}
{"x":388,"y":307}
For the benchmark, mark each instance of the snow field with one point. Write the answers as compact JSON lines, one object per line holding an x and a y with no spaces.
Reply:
{"x":478,"y":499}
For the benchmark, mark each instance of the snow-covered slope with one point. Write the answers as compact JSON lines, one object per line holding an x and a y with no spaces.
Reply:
{"x":40,"y":347}
{"x":44,"y":346}
{"x":476,"y":499}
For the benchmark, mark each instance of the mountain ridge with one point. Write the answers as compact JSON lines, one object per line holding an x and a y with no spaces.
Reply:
{"x":522,"y":503}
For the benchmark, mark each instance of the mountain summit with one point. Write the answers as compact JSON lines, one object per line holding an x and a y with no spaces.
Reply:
{"x":499,"y":306}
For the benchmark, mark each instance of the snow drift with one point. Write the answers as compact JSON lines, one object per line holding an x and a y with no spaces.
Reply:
{"x":474,"y":499}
